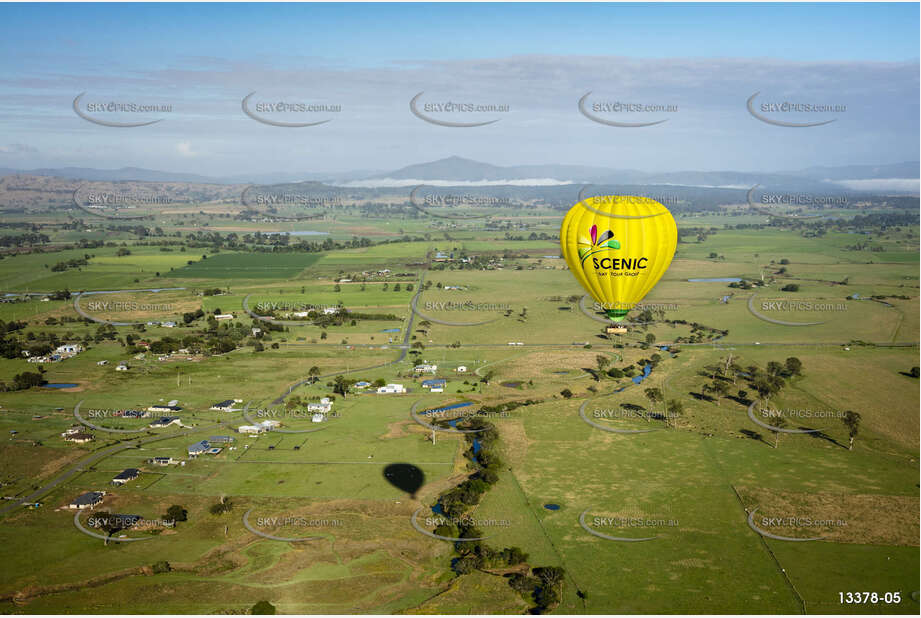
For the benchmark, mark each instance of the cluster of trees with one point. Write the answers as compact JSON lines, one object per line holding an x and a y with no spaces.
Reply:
{"x":385,"y":287}
{"x":725,"y":375}
{"x":42,"y":247}
{"x":215,"y":338}
{"x":342,"y":316}
{"x":699,"y":234}
{"x":458,"y":500}
{"x":673,"y":407}
{"x":541,"y":585}
{"x":190,"y":316}
{"x":508,"y":406}
{"x":603,"y":362}
{"x":850,"y":419}
{"x":544,"y":585}
{"x":64,"y":319}
{"x":71,"y":263}
{"x":109,"y":523}
{"x":531,"y":236}
{"x":482,"y":556}
{"x":874,"y":222}
{"x":341,"y":385}
{"x":24,"y":380}
{"x":10,"y":346}
{"x":266,"y":243}
{"x":745,"y":284}
{"x":223,"y":506}
{"x":23,"y":240}
{"x":699,"y":332}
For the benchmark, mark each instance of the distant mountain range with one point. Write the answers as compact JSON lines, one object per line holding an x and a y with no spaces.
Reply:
{"x":125,"y":173}
{"x":895,"y":177}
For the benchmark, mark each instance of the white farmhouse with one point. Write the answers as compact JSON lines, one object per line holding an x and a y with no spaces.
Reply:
{"x":251,"y":429}
{"x":69,"y":349}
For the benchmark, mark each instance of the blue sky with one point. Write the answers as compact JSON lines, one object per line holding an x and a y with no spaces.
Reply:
{"x":539,"y":59}
{"x":365,"y":34}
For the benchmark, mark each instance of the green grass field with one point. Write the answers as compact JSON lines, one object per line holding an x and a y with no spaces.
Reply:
{"x":703,"y":475}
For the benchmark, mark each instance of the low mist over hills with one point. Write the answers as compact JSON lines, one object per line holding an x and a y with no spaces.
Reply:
{"x":894,"y":178}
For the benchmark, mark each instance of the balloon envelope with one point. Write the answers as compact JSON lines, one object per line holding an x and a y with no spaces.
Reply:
{"x":618,"y":247}
{"x":404,"y":476}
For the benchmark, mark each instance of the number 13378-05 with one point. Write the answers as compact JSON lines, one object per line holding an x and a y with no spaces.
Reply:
{"x":869,"y":597}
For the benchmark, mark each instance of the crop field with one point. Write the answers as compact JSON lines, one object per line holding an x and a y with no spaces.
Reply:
{"x":247,"y":266}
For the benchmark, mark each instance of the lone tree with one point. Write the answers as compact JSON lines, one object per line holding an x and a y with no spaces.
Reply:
{"x":602,"y":361}
{"x":176,"y":513}
{"x":774,"y":368}
{"x":851,"y":420}
{"x":776,"y":422}
{"x":219,"y":508}
{"x":341,"y":385}
{"x":794,"y":366}
{"x":263,"y":608}
{"x":721,"y":389}
{"x":654,"y":396}
{"x":673,"y":409}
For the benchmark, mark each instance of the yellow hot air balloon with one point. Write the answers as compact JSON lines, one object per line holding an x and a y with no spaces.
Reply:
{"x":618,"y":247}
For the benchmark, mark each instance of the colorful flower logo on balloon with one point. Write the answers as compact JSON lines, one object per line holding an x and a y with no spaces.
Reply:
{"x":597,"y":243}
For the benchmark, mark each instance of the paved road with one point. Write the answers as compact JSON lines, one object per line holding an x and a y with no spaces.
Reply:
{"x":100,"y":455}
{"x":92,"y":459}
{"x":404,"y":349}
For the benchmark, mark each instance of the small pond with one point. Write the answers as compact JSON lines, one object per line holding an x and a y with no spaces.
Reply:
{"x":647,"y":369}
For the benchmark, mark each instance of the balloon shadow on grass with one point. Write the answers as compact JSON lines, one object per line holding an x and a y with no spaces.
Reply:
{"x":405,"y":477}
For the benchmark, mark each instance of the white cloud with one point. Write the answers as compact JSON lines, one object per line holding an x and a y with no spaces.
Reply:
{"x":902,"y":185}
{"x":413,"y":182}
{"x":711,"y":130}
{"x":184,"y":149}
{"x":17,"y":149}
